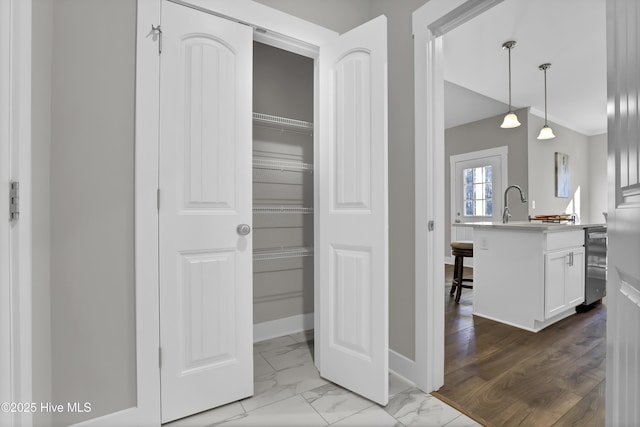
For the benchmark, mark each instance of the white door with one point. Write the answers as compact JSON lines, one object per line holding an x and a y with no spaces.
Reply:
{"x":205,"y":194}
{"x":477,"y":186}
{"x":623,"y":268}
{"x":353,"y":238}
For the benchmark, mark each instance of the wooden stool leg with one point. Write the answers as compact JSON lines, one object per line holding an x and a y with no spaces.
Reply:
{"x":460,"y":273}
{"x":455,"y":277}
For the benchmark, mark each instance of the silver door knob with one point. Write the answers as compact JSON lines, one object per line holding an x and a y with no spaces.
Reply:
{"x":243,"y":229}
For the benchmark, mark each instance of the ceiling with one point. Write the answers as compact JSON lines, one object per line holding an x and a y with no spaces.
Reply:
{"x":570,"y":34}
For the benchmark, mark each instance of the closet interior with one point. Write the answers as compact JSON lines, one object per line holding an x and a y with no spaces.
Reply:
{"x":283,"y":224}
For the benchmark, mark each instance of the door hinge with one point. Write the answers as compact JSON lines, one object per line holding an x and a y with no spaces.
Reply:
{"x":158,"y":199}
{"x":431,"y":225}
{"x":160,"y":357}
{"x":157,"y":31}
{"x":14,"y":201}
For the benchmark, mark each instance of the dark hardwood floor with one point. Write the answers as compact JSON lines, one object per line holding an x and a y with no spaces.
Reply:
{"x":505,"y":376}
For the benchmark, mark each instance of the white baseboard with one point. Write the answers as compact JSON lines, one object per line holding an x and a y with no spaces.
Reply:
{"x":277,"y":328}
{"x":402,"y":366}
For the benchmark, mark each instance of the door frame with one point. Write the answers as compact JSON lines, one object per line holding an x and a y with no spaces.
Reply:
{"x":283,"y":31}
{"x":430,"y":22}
{"x":15,"y":257}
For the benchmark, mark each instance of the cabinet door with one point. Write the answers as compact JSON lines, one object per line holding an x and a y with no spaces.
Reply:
{"x":574,"y":282}
{"x":555,"y":270}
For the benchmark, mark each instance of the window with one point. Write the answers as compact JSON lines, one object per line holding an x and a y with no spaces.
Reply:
{"x":478,"y":191}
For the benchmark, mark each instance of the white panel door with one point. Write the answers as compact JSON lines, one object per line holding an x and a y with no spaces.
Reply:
{"x":477,"y":187}
{"x":623,"y":268}
{"x":353,"y":238}
{"x":205,"y":188}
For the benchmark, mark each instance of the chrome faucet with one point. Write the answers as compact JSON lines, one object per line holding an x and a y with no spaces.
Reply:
{"x":506,"y":213}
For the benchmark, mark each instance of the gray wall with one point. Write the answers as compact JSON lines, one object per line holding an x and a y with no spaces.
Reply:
{"x":41,"y":141}
{"x":598,"y":178}
{"x":92,"y":201}
{"x":341,"y":16}
{"x":482,"y":135}
{"x":401,"y":173}
{"x":92,"y":207}
{"x":542,"y":170}
{"x":282,"y":86}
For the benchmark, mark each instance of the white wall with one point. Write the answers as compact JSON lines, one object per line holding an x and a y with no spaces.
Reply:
{"x":42,"y":11}
{"x":542,"y":171}
{"x":598,"y":178}
{"x":92,"y":200}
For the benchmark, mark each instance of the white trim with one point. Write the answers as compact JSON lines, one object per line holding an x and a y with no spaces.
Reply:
{"x":502,"y":151}
{"x":402,"y":366}
{"x":284,"y":26}
{"x":15,"y":144}
{"x":429,"y":193}
{"x":279,"y":327}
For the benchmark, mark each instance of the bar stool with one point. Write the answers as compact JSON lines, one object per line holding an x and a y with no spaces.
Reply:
{"x":460,"y":250}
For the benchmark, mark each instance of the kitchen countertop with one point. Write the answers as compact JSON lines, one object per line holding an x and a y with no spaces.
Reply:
{"x":529,"y":225}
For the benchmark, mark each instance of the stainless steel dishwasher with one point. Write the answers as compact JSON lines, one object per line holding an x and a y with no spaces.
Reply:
{"x":595,"y":283}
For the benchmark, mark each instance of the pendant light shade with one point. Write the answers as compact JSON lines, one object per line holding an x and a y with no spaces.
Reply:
{"x":510,"y":120}
{"x":546,"y":132}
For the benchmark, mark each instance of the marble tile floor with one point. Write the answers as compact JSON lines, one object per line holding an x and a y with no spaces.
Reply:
{"x":288,"y":391}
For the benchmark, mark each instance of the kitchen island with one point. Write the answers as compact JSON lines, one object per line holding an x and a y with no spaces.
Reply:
{"x":527,"y":274}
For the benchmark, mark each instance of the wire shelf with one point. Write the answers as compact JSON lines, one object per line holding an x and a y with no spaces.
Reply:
{"x":282,"y":123}
{"x":281,"y":253}
{"x":282,"y":209}
{"x":282,"y":165}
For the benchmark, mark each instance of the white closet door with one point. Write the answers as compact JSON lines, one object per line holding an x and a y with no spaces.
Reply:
{"x":205,"y":194}
{"x":353,"y":238}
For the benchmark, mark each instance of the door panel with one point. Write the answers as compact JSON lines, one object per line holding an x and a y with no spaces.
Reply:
{"x":574,"y":288}
{"x":623,"y":269}
{"x":353,"y":219}
{"x":205,"y":188}
{"x":555,"y":271}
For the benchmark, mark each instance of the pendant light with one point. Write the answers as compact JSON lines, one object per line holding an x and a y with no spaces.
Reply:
{"x":546,"y":132}
{"x":510,"y":120}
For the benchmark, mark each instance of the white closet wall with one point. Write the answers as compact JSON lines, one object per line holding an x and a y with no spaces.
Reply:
{"x":282,"y":184}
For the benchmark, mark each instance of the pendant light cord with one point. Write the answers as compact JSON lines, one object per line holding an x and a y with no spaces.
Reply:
{"x":545,"y":67}
{"x":509,"y":78}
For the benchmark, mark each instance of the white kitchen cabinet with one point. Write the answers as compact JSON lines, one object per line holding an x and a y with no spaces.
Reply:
{"x":527,"y":275}
{"x":563,"y":280}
